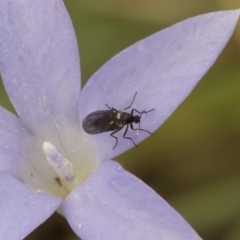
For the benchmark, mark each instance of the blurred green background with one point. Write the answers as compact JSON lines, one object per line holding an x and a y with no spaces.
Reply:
{"x":193,"y":160}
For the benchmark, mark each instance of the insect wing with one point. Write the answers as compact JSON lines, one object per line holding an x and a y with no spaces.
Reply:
{"x":100,"y":121}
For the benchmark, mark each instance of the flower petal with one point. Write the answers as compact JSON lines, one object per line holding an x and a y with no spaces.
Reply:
{"x":113,"y":204}
{"x":12,"y":143}
{"x":21,"y":209}
{"x":162,"y":68}
{"x":39,"y":61}
{"x":11,"y":131}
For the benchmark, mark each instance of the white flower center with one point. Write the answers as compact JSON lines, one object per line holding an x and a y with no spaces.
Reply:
{"x":58,"y":160}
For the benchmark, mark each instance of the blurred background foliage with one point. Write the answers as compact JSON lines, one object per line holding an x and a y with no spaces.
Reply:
{"x":193,"y":160}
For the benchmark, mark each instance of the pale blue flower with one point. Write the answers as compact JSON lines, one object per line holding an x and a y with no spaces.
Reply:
{"x":47,"y":161}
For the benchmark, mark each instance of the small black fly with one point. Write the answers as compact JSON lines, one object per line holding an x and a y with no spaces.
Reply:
{"x":113,"y":120}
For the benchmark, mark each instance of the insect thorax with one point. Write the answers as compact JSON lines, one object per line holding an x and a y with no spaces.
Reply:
{"x":126,"y":118}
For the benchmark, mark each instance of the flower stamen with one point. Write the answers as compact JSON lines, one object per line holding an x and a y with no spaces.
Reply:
{"x":61,"y":165}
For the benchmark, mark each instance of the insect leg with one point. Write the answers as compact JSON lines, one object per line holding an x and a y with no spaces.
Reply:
{"x":108,"y":106}
{"x":131,"y":102}
{"x":140,"y":118}
{"x":141,"y":112}
{"x":124,"y":136}
{"x":140,"y":129}
{"x":115,"y":137}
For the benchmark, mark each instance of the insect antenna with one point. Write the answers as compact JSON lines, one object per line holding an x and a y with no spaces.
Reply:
{"x":141,"y":113}
{"x":131,"y":102}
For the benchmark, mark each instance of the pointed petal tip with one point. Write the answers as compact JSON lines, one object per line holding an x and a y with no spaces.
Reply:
{"x":164,"y":68}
